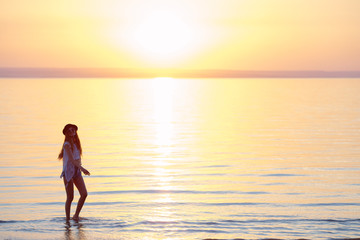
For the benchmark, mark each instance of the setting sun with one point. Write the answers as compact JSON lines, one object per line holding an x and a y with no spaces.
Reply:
{"x":162,"y":36}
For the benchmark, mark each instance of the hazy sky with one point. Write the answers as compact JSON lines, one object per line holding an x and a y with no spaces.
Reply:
{"x":188,"y":34}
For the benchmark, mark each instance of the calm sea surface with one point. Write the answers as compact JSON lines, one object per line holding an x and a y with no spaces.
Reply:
{"x":183,"y":158}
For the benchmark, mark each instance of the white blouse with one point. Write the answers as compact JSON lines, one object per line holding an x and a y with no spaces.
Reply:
{"x":68,"y":166}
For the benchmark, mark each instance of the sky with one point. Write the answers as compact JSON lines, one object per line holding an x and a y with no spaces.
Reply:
{"x":269,"y":35}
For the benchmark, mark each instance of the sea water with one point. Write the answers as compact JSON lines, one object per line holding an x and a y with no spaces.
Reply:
{"x":183,"y":158}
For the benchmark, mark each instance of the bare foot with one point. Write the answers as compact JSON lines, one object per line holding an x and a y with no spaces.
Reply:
{"x":75,"y":218}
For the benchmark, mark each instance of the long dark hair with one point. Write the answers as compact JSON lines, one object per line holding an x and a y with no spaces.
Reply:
{"x":73,"y":141}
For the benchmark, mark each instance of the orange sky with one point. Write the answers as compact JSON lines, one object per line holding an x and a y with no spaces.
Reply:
{"x":186,"y":34}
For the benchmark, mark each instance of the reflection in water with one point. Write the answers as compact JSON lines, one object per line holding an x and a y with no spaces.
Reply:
{"x":163,"y":115}
{"x":163,"y":177}
{"x":164,"y":135}
{"x":163,"y":90}
{"x":79,"y":232}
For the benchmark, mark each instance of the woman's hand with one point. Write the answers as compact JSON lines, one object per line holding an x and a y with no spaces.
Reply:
{"x":86,"y":172}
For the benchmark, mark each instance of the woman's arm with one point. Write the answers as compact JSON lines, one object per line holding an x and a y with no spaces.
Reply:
{"x":76,"y":163}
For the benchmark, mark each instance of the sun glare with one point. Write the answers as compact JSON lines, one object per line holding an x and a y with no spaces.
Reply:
{"x":162,"y":35}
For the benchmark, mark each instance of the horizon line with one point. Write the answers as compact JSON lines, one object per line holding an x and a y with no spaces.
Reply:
{"x":37,"y":72}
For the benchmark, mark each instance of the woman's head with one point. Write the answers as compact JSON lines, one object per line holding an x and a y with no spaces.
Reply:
{"x":71,"y":136}
{"x":70,"y":130}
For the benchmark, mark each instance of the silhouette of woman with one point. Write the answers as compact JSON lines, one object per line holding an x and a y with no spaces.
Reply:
{"x":71,"y":155}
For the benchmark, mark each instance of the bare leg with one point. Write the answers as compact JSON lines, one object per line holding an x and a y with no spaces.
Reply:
{"x":80,"y":184}
{"x":69,"y":197}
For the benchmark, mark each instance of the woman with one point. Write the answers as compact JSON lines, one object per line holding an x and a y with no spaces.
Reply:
{"x":71,"y":155}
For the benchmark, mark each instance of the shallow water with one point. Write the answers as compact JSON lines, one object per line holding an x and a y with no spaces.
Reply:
{"x":183,"y":158}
